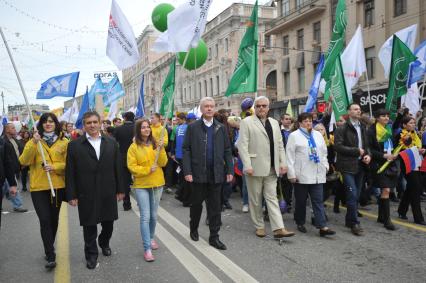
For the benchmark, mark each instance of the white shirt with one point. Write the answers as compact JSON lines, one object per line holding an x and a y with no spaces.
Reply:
{"x":208,"y":123}
{"x":96,"y":143}
{"x":357,"y":126}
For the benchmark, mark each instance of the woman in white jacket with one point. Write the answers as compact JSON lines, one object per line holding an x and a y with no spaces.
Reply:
{"x":307,"y":167}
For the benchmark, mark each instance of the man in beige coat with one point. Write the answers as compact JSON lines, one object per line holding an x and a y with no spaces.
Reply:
{"x":261,"y":150}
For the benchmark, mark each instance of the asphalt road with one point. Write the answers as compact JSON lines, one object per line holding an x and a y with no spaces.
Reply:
{"x":379,"y":256}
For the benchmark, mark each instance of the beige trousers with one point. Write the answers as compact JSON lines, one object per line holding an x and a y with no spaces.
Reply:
{"x":265,"y":187}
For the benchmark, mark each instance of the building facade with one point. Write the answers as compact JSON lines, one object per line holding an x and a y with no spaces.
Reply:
{"x":19,"y":112}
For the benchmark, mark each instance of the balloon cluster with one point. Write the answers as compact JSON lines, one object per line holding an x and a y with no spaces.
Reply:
{"x":197,"y":56}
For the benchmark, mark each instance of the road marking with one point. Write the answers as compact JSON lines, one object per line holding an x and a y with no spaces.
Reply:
{"x":236,"y":273}
{"x":195,"y":267}
{"x":62,"y":270}
{"x":374,"y":216}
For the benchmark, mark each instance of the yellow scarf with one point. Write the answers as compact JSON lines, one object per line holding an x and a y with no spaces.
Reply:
{"x":327,"y":142}
{"x":415,"y":140}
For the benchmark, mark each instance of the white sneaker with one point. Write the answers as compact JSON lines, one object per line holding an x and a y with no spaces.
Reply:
{"x":245,"y":208}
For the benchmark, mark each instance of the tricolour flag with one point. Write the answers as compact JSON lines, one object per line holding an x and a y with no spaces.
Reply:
{"x":244,"y":78}
{"x":185,"y":25}
{"x":418,"y":67}
{"x":63,"y":85}
{"x":401,"y":60}
{"x":412,"y":159}
{"x":407,"y":35}
{"x":113,"y":109}
{"x":353,"y":61}
{"x":167,"y":103}
{"x":337,"y":40}
{"x":98,"y":88}
{"x":140,"y":107}
{"x":313,"y":91}
{"x":83,"y":109}
{"x":338,"y":90}
{"x":114,"y":91}
{"x":122,"y":48}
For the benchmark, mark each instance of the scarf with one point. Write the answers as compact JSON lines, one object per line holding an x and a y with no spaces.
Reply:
{"x":313,"y":155}
{"x":50,"y":138}
{"x":409,"y":139}
{"x":384,"y":134}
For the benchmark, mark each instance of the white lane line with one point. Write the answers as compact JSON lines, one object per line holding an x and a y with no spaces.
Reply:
{"x":197,"y":269}
{"x":233,"y":271}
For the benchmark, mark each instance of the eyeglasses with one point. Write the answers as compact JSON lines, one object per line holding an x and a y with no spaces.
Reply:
{"x":262,"y":106}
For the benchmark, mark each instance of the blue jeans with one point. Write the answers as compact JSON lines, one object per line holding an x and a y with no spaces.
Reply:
{"x":315,"y":192}
{"x":353,"y":186}
{"x":244,"y":190}
{"x":15,"y":200}
{"x":148,"y":201}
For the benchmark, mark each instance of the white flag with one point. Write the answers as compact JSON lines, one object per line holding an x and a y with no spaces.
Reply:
{"x":411,"y":99}
{"x":353,"y":61}
{"x":122,"y":48}
{"x":185,"y":25}
{"x":71,"y":115}
{"x":113,"y":109}
{"x":407,"y":35}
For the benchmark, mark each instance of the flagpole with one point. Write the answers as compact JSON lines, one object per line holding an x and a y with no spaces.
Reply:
{"x":40,"y":148}
{"x":423,"y":89}
{"x":369,"y":96}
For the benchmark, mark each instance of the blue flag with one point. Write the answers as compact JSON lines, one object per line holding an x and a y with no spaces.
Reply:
{"x":4,"y":121}
{"x":114,"y":90}
{"x":63,"y":85}
{"x":83,"y":109}
{"x":418,"y":67}
{"x":313,"y":92}
{"x":140,"y":111}
{"x":98,"y":88}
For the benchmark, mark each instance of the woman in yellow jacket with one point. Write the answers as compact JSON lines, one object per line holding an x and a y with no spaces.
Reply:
{"x":148,"y":181}
{"x":46,"y":206}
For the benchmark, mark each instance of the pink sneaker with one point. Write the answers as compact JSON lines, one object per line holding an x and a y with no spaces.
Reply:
{"x":148,"y":256}
{"x":154,"y":245}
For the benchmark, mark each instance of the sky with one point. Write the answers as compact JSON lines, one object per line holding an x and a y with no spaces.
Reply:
{"x":53,"y":37}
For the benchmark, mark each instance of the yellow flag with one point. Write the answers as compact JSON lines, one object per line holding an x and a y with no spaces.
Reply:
{"x":289,"y":110}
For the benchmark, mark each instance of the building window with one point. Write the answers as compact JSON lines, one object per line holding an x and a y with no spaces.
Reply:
{"x":285,"y":45}
{"x":317,"y":32}
{"x":301,"y":3}
{"x":217,"y":50}
{"x":190,"y":93}
{"x":210,"y":53}
{"x":301,"y":79}
{"x":226,"y":45}
{"x":368,"y":13}
{"x":205,"y":88}
{"x":211,"y":87}
{"x":369,"y":59}
{"x":285,"y":7}
{"x":217,"y":86}
{"x":333,"y":13}
{"x":184,"y":94}
{"x":199,"y":88}
{"x":400,"y":7}
{"x":268,"y":43}
{"x":300,"y":39}
{"x":287,"y":84}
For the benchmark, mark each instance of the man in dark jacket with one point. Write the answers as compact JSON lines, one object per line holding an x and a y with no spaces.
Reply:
{"x":207,"y":162}
{"x":93,"y":177}
{"x":124,"y":136}
{"x":7,"y":169}
{"x":351,"y":146}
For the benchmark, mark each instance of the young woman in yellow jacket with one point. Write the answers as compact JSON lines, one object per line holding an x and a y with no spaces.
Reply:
{"x":46,"y":206}
{"x":148,"y":181}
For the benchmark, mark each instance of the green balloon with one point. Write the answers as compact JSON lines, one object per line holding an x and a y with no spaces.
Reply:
{"x":159,"y":16}
{"x":196,"y":58}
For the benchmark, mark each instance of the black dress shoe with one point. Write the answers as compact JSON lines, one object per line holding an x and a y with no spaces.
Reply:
{"x":402,"y":216}
{"x":421,"y":223}
{"x":217,"y":244}
{"x":50,"y":265}
{"x":227,"y":205}
{"x":194,"y":235}
{"x":106,"y":251}
{"x":356,"y":230}
{"x":359,"y":214}
{"x":326,"y":232}
{"x":91,"y":264}
{"x":302,"y":228}
{"x":127,"y":208}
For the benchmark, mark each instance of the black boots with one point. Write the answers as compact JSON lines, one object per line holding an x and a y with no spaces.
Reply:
{"x":384,"y":214}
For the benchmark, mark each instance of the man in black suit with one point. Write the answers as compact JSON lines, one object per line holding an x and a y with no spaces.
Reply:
{"x":124,"y":136}
{"x":93,"y":177}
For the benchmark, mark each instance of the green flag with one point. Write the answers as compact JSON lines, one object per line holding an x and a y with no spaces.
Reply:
{"x":244,"y":78}
{"x":338,"y":90}
{"x":168,"y":88}
{"x":400,"y":62}
{"x":337,"y":40}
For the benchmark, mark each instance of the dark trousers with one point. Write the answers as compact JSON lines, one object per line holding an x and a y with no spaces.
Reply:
{"x":90,"y":234}
{"x":47,"y":209}
{"x":353,"y":185}
{"x":412,"y":196}
{"x":127,"y":177}
{"x":24,"y":176}
{"x":226,"y":192}
{"x":287,"y":188}
{"x":211,"y":193}
{"x":315,"y":192}
{"x":184,"y":189}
